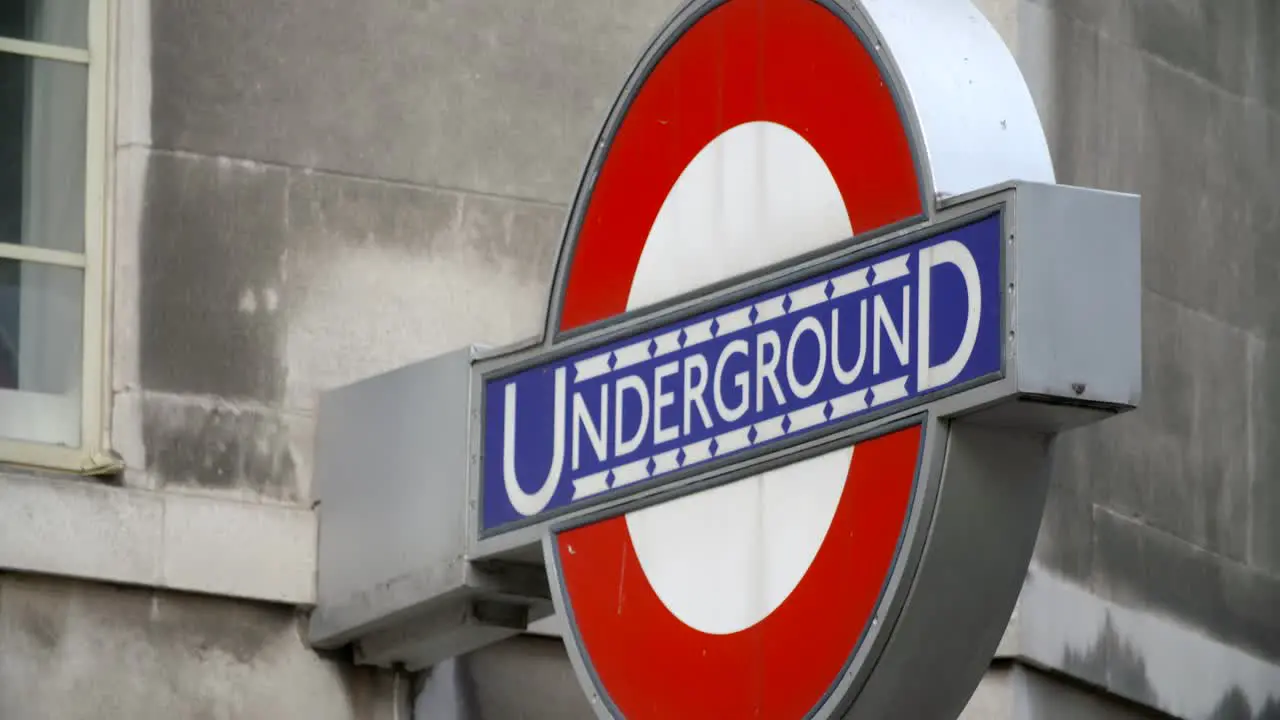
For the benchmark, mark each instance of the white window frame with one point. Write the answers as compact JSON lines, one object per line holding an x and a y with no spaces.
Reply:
{"x":93,"y":455}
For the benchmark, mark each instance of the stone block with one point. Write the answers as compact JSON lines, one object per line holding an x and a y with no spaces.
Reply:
{"x":1205,"y":500}
{"x":85,"y":651}
{"x":1183,"y":462}
{"x":1015,"y":691}
{"x":1065,"y":542}
{"x":1234,"y":46}
{"x":1142,"y":650}
{"x":1268,"y":58}
{"x":1067,"y":55}
{"x":993,"y":698}
{"x":1041,"y":696}
{"x":1121,"y":124}
{"x":487,"y":95}
{"x":1113,"y":16}
{"x":1143,"y":567}
{"x":381,"y":275}
{"x":1191,"y":251}
{"x":526,"y":677}
{"x":78,"y":529}
{"x":1209,"y":162}
{"x":211,"y":278}
{"x":211,"y":543}
{"x":1264,"y":503}
{"x":1225,"y":44}
{"x":1203,"y":158}
{"x":215,"y":447}
{"x":176,"y":540}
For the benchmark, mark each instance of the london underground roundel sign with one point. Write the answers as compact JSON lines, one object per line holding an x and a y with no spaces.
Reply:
{"x":775,"y":444}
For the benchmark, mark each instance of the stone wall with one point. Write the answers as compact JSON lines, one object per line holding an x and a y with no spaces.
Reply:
{"x":1168,"y":519}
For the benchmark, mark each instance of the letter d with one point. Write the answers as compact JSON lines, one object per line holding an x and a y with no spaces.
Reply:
{"x":954,"y":253}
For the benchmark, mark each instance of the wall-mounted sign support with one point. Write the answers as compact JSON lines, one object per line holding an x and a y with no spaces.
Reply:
{"x":782,"y":448}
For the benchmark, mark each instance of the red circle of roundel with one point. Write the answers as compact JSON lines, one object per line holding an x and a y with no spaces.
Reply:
{"x":652,"y":665}
{"x":791,"y":62}
{"x":799,"y":64}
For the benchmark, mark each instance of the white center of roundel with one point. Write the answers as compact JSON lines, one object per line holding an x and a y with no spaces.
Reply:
{"x":723,"y":559}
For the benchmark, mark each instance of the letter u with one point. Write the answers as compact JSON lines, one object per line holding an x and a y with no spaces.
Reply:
{"x":532,"y":503}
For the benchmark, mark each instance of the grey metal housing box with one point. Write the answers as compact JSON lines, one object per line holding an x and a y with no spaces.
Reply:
{"x":392,"y":459}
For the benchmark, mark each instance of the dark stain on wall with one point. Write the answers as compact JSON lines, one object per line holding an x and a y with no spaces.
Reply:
{"x":220,"y":446}
{"x":1112,"y":663}
{"x":328,"y":211}
{"x":203,"y":626}
{"x":1235,"y":705}
{"x":211,"y":278}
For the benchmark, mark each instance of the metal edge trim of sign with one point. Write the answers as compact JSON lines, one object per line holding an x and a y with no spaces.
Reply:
{"x":758,"y":282}
{"x":901,"y":578}
{"x":888,"y":603}
{"x":856,"y":19}
{"x":747,"y":462}
{"x":983,"y":207}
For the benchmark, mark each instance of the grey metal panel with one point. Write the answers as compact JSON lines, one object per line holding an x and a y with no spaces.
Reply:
{"x":390,"y":479}
{"x":1078,"y":289}
{"x":984,"y":524}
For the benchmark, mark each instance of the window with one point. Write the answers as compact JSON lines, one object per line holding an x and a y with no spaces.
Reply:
{"x":53,"y":134}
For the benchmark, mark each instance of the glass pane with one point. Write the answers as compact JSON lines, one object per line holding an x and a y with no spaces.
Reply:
{"x":57,"y":22}
{"x":40,"y":352}
{"x":42,"y":152}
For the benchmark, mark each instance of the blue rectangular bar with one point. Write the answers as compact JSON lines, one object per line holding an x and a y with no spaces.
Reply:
{"x":871,"y":335}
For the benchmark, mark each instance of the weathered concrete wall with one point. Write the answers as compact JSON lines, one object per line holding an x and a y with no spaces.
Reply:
{"x":1171,"y":516}
{"x":80,"y":651}
{"x":1015,"y":691}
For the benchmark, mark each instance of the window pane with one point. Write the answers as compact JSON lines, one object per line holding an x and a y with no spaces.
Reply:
{"x":40,"y":352}
{"x":42,"y":152}
{"x":58,"y":22}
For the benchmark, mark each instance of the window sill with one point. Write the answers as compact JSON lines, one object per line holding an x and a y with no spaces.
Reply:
{"x":80,"y":529}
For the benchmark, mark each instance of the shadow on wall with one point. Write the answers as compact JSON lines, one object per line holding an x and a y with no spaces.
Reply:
{"x":1235,"y":706}
{"x":1114,"y":664}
